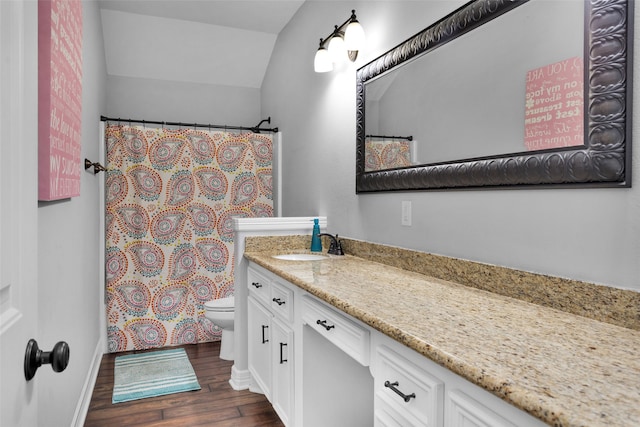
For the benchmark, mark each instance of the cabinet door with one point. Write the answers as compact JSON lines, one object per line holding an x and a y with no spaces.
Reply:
{"x":259,"y":345}
{"x":283,"y":365}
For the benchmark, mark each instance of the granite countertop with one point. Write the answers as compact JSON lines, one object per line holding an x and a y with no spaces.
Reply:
{"x":564,"y":369}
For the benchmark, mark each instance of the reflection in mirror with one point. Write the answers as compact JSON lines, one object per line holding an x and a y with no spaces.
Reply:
{"x":468,"y":98}
{"x":500,"y":93}
{"x":388,"y":152}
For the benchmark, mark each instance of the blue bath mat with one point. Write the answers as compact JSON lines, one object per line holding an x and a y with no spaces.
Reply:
{"x":157,"y":373}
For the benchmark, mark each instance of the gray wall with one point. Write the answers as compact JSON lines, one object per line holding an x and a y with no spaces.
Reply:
{"x":69,"y":267}
{"x":584,"y":234}
{"x":159,"y":100}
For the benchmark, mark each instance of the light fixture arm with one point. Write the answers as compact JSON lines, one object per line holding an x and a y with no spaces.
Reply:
{"x":346,"y":38}
{"x":339,"y":30}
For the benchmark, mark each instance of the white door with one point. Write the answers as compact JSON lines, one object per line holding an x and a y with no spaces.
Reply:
{"x":18,"y":209}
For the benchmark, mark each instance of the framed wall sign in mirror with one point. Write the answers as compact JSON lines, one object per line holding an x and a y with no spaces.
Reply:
{"x":501,"y":94}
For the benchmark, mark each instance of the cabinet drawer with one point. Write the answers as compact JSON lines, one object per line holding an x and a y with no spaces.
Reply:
{"x":259,"y":285}
{"x":345,"y":333}
{"x":383,"y":417}
{"x":281,"y":301}
{"x":407,"y":390}
{"x":467,"y":412}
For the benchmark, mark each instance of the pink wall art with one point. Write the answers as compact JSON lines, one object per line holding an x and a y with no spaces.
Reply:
{"x":554,"y":115}
{"x":59,"y":98}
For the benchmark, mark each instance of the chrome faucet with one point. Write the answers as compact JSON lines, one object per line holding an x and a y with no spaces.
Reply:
{"x":335,"y":248}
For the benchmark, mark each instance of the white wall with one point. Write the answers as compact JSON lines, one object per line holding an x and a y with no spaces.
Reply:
{"x":584,"y":234}
{"x":68,"y":245}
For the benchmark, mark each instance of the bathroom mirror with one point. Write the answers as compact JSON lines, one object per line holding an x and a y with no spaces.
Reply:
{"x":501,"y":94}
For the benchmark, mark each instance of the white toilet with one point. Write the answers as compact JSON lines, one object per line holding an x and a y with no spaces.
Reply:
{"x":221,"y":312}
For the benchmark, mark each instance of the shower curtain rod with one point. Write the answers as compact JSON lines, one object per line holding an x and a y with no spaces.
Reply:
{"x":255,"y":129}
{"x":408,"y":138}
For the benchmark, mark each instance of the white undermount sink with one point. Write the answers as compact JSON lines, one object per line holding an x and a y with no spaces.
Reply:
{"x":300,"y":257}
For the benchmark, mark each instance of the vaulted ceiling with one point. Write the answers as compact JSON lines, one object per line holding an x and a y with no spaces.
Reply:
{"x":221,"y":42}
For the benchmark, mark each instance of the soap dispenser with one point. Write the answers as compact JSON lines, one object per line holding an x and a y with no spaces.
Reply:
{"x":316,"y":243}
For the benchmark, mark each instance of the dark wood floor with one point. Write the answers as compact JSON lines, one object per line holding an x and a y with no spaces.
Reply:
{"x":216,"y":404}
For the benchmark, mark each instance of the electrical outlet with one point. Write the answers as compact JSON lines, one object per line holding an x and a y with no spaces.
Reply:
{"x":406,"y":213}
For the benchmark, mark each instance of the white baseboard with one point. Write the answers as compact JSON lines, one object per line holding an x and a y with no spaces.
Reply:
{"x":240,"y":380}
{"x":255,"y":388}
{"x":82,"y":408}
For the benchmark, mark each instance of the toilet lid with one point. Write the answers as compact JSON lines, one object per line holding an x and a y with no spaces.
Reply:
{"x":221,"y":304}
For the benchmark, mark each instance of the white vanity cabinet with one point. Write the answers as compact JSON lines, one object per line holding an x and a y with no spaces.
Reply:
{"x":431,"y":395}
{"x":336,"y":383}
{"x":270,"y":340}
{"x":348,"y":374}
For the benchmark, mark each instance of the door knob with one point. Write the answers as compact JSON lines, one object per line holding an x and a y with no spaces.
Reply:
{"x":34,"y":358}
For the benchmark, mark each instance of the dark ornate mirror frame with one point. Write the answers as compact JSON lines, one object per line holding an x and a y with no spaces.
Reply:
{"x":604,"y":160}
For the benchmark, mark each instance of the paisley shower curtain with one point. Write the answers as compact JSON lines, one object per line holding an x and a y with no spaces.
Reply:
{"x":386,"y":154}
{"x":171,"y":196}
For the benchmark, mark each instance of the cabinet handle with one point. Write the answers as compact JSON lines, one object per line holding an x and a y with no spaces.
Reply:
{"x":323,"y":323}
{"x":264,"y":341}
{"x":256,"y":285}
{"x":282,"y":344}
{"x":278,"y":301}
{"x":393,"y":385}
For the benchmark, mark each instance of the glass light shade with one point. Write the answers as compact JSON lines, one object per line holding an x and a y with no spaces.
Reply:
{"x":336,"y":49}
{"x":354,"y":36}
{"x":322,"y":62}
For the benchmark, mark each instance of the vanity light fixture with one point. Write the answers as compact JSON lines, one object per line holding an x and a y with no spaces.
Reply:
{"x":345,"y":40}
